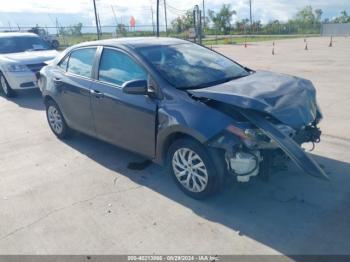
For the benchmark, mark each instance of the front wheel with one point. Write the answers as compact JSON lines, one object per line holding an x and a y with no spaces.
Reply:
{"x":6,"y":89}
{"x":193,"y":169}
{"x":56,"y":120}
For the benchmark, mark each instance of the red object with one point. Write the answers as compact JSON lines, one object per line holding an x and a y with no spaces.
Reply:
{"x":237,"y":131}
{"x":132,"y":21}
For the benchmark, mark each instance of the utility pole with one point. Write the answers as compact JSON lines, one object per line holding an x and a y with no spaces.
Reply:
{"x":250,"y":14}
{"x":57,"y":26}
{"x":166,"y":20}
{"x":96,"y":20}
{"x":157,"y":18}
{"x":200,"y":26}
{"x":203,"y":14}
{"x":152,"y":19}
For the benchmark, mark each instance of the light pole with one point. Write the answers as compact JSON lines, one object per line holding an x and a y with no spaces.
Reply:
{"x":166,"y":20}
{"x":96,"y":20}
{"x":157,"y":18}
{"x":250,"y":14}
{"x":203,"y":14}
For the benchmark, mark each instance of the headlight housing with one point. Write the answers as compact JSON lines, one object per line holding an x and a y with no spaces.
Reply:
{"x":16,"y":68}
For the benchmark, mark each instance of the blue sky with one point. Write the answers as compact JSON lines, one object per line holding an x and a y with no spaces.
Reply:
{"x":44,"y":12}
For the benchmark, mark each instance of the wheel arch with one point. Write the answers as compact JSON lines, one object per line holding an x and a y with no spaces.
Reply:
{"x":48,"y":98}
{"x":165,"y":141}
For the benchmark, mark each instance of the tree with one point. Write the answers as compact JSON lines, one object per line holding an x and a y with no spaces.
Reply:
{"x":183,"y":23}
{"x":242,"y":25}
{"x":318,"y":13}
{"x":222,"y":19}
{"x":71,"y":30}
{"x":121,"y":30}
{"x":76,"y":29}
{"x":306,"y":15}
{"x":308,"y":20}
{"x":343,"y":18}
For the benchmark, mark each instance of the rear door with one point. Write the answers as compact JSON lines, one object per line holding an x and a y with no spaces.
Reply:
{"x":74,"y":85}
{"x":123,"y":119}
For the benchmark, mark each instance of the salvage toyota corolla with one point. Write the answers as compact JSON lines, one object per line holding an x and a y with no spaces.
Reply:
{"x":201,"y":114}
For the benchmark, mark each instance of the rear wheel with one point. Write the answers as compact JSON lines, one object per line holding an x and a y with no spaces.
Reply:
{"x":6,"y":89}
{"x":56,"y":120}
{"x":193,"y":169}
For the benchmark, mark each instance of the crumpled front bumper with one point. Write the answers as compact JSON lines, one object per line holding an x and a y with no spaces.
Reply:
{"x":290,"y":147}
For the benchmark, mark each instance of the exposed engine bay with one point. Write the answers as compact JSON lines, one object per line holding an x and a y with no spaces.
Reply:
{"x":252,"y":149}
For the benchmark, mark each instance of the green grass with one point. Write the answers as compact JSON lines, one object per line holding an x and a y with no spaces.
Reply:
{"x":240,"y":40}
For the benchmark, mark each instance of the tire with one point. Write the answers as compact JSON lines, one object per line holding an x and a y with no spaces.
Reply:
{"x":200,"y":182}
{"x":56,"y":120}
{"x":5,"y":87}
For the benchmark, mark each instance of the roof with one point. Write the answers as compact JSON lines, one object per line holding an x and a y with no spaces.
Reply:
{"x":16,"y":34}
{"x":137,"y":42}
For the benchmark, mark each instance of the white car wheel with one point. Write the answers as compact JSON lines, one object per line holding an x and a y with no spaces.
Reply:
{"x":5,"y":86}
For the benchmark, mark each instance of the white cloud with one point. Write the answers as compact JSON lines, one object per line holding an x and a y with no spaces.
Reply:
{"x":264,"y":10}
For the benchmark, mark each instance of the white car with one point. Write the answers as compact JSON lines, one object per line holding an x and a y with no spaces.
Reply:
{"x":22,"y":55}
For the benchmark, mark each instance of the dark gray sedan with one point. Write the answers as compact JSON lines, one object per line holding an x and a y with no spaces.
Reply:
{"x":180,"y":104}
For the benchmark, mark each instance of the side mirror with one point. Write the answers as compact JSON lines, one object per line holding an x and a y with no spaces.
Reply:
{"x":136,"y":87}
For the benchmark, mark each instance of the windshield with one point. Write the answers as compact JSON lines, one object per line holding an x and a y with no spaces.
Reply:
{"x":17,"y":44}
{"x":190,"y":66}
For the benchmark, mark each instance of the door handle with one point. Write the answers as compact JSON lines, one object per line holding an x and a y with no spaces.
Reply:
{"x":57,"y":81}
{"x":96,"y":93}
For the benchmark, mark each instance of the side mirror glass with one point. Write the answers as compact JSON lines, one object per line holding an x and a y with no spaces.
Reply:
{"x":136,"y":87}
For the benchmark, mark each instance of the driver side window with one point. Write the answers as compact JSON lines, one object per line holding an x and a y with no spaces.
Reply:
{"x":117,"y":68}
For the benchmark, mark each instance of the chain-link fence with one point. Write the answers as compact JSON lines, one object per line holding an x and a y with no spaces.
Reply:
{"x":65,"y":36}
{"x":336,"y":29}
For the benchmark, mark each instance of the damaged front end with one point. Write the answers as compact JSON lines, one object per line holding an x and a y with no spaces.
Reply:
{"x":272,"y":116}
{"x":257,"y":143}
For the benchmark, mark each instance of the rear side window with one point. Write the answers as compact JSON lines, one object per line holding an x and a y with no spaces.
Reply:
{"x":117,"y":68}
{"x":81,"y":62}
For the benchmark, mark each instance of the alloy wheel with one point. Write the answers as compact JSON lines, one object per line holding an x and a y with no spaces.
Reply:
{"x":55,"y":119}
{"x":190,"y":170}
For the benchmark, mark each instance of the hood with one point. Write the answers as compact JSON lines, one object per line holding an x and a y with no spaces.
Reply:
{"x":289,"y":99}
{"x":30,"y":57}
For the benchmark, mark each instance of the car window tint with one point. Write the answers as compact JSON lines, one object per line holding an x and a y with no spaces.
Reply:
{"x":63,"y":64}
{"x":81,"y":61}
{"x":118,"y":68}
